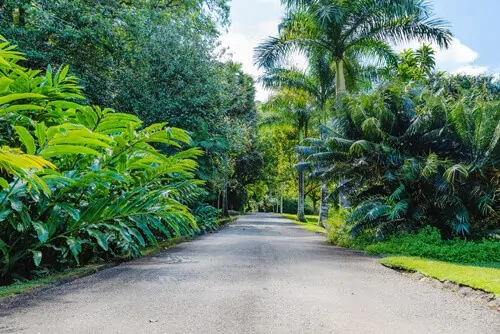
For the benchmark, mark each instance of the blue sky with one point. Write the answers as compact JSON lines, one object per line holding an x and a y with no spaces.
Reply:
{"x":475,"y":25}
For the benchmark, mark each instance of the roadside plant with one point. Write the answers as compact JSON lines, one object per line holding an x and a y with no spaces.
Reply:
{"x":80,"y":183}
{"x":416,"y":156}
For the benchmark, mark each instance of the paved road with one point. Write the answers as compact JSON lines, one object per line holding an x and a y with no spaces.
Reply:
{"x":261,"y":275}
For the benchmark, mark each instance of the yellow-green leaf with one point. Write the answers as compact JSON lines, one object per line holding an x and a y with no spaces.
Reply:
{"x":59,"y":150}
{"x":21,"y":107}
{"x":23,"y":96}
{"x":26,"y":138}
{"x":3,"y":183}
{"x":64,"y":73}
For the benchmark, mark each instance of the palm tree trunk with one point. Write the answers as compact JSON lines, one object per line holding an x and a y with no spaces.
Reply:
{"x":324,"y":208}
{"x":341,"y":88}
{"x":300,"y":201}
{"x":339,"y":76}
{"x":343,"y":200}
{"x":300,"y":210}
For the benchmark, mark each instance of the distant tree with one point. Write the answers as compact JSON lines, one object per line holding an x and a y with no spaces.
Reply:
{"x":290,"y":107}
{"x":350,"y":33}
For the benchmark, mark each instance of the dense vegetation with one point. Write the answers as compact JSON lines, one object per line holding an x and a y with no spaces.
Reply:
{"x":158,"y":60}
{"x":406,"y":156}
{"x":427,"y":243}
{"x":81,"y":183}
{"x":415,"y":155}
{"x":393,"y":144}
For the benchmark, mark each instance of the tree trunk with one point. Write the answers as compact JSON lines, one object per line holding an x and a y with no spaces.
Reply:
{"x":300,"y":210}
{"x":281,"y":202}
{"x":323,"y":118}
{"x":314,"y":205}
{"x":341,"y":88}
{"x":300,"y":201}
{"x":339,"y":76}
{"x":324,"y":208}
{"x":225,"y":211}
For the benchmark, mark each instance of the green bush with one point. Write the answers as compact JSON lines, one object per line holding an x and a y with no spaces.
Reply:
{"x":428,"y":243}
{"x":206,"y":217}
{"x":290,"y":206}
{"x":416,"y":154}
{"x":79,"y":184}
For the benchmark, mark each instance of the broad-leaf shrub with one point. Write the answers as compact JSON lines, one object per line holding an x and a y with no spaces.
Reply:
{"x":81,"y":183}
{"x":206,"y":217}
{"x":411,"y":155}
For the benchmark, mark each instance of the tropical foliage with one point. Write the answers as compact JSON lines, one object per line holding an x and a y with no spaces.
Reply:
{"x":158,"y":60}
{"x":416,"y":155}
{"x":349,"y":32}
{"x":81,"y":183}
{"x":405,"y":147}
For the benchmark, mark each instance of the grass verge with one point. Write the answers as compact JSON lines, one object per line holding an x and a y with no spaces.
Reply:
{"x":67,"y":275}
{"x":311,"y":224}
{"x":473,"y":263}
{"x":477,"y":277}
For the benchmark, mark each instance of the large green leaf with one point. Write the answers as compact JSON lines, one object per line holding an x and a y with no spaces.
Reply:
{"x":37,"y":257}
{"x":4,"y":84}
{"x":42,"y":231}
{"x":4,"y":214}
{"x":75,"y":246}
{"x":22,"y":96}
{"x":61,"y":150}
{"x":21,"y":107}
{"x":3,"y":183}
{"x":16,"y":204}
{"x":70,"y":210}
{"x":66,"y":105}
{"x":26,"y":138}
{"x":100,"y":237}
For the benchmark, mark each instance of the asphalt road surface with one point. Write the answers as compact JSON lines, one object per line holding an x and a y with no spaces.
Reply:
{"x":263,"y":274}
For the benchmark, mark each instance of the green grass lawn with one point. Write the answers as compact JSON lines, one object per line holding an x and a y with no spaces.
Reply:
{"x":478,"y":277}
{"x":311,"y":225}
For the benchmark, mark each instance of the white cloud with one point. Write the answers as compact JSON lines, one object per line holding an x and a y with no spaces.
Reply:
{"x":471,"y":70}
{"x":252,"y":22}
{"x":241,"y":46}
{"x":456,"y":54}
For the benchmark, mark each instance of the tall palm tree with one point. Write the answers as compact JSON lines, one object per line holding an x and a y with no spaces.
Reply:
{"x":351,"y":31}
{"x":318,"y":83}
{"x":291,"y":107}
